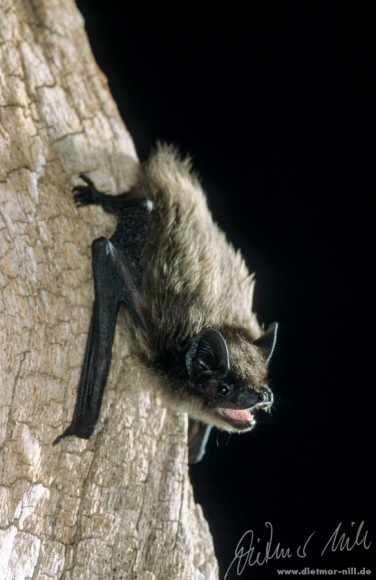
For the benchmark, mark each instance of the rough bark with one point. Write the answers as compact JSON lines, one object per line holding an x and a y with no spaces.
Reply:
{"x":121,"y":504}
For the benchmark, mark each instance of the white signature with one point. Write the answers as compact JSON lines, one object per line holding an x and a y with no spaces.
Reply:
{"x":251,"y":552}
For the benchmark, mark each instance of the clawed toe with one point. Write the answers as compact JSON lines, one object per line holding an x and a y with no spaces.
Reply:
{"x":84,"y":194}
{"x":87,"y":180}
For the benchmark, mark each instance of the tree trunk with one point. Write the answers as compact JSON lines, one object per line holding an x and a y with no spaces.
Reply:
{"x":119,"y":505}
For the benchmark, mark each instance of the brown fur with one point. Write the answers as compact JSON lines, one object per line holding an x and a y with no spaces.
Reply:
{"x":192,"y":279}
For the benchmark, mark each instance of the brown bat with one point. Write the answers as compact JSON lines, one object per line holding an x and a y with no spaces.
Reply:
{"x":189,"y":298}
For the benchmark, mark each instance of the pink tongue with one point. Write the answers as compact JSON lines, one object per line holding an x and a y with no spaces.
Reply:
{"x":238,"y":415}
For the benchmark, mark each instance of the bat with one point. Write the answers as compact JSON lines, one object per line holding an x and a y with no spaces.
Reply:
{"x":188,"y":295}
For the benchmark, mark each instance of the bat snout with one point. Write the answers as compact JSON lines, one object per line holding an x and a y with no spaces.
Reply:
{"x":266,"y":397}
{"x":265,"y":400}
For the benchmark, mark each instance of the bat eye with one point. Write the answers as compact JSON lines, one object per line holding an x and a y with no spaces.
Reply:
{"x":224,"y":390}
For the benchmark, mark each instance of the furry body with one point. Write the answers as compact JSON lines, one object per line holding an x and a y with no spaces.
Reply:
{"x":189,"y":295}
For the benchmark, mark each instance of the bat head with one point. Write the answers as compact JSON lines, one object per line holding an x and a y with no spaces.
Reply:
{"x":229,"y":374}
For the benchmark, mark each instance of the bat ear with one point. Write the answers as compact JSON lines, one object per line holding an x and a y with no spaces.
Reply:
{"x":267,"y":341}
{"x":207,"y":355}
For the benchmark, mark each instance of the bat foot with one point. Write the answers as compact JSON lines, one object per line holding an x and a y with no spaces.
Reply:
{"x":87,"y":194}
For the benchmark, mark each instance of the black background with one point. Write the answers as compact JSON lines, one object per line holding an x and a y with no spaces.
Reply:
{"x":277,"y":108}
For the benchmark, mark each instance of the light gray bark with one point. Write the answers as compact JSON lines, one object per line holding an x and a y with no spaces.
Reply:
{"x":121,"y":504}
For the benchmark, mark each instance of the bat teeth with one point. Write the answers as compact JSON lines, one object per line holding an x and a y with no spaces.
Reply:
{"x":263,"y":406}
{"x":238,"y":418}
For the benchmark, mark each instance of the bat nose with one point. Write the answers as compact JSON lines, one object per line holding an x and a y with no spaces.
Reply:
{"x":266,"y":397}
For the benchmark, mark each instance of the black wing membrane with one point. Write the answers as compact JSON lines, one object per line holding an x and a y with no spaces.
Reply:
{"x":198,"y":435}
{"x":117,"y":276}
{"x":110,"y":292}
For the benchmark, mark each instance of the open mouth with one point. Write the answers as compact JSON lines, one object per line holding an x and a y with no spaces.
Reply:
{"x":241,"y":419}
{"x":238,"y":418}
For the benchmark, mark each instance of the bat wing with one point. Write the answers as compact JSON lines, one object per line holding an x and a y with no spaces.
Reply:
{"x":111,"y":290}
{"x":117,"y":278}
{"x":198,"y":435}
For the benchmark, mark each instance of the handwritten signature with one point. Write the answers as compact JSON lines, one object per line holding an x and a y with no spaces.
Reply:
{"x":251,"y":552}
